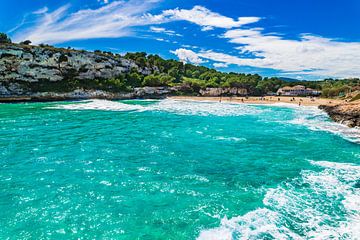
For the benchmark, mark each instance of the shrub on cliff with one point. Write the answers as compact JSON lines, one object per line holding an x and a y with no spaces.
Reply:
{"x":4,"y":38}
{"x":26,"y":42}
{"x":115,"y":84}
{"x":158,"y":80}
{"x":193,"y":84}
{"x":134,"y":79}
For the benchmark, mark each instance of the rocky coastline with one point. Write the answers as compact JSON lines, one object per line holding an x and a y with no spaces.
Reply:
{"x":45,"y":73}
{"x":346,"y":113}
{"x":42,"y":73}
{"x":81,"y":94}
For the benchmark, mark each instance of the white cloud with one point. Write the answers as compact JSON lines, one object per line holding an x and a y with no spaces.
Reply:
{"x":160,"y":30}
{"x":41,"y":11}
{"x":207,"y":28}
{"x":220,"y":65}
{"x":189,"y":46}
{"x":307,"y":55}
{"x":162,"y":40}
{"x":118,"y":19}
{"x":187,"y":56}
{"x":113,"y":20}
{"x":206,"y":18}
{"x":164,"y":31}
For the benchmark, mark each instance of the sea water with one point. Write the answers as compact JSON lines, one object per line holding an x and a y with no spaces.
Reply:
{"x":176,"y":170}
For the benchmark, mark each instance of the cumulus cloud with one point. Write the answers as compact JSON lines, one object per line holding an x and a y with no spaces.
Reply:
{"x":187,"y":56}
{"x":220,"y":65}
{"x":307,"y":55}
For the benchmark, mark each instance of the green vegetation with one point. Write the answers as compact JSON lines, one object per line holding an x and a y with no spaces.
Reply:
{"x":4,"y":38}
{"x":26,"y":42}
{"x":338,"y":88}
{"x":190,"y":78}
{"x":193,"y":78}
{"x":357,"y":97}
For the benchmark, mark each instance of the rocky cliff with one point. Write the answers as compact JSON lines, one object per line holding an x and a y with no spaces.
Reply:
{"x":24,"y":67}
{"x":216,"y":92}
{"x":347,"y":113}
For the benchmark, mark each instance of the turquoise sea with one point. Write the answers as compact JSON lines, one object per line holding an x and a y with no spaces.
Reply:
{"x":176,"y":170}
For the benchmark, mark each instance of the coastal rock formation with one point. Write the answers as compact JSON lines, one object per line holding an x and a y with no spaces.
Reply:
{"x":145,"y":92}
{"x":23,"y":65}
{"x":216,"y":92}
{"x":347,"y":113}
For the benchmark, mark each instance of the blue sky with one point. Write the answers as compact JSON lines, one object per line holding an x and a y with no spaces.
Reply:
{"x":302,"y":39}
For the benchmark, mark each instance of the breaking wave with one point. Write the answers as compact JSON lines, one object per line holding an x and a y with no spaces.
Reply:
{"x":310,"y":117}
{"x":167,"y":105}
{"x":317,"y":120}
{"x":317,"y":205}
{"x":98,"y":104}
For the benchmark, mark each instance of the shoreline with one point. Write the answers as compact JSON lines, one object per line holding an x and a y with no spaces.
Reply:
{"x":266,"y":100}
{"x":304,"y":101}
{"x":340,"y":111}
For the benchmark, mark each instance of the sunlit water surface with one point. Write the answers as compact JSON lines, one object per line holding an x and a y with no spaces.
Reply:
{"x":176,"y":170}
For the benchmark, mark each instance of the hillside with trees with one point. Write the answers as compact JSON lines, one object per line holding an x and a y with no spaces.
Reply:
{"x":154,"y":71}
{"x":171,"y":72}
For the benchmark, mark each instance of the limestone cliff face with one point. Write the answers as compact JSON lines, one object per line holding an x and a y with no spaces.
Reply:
{"x":21,"y":65}
{"x":216,"y":92}
{"x":46,"y":73}
{"x":348,"y":114}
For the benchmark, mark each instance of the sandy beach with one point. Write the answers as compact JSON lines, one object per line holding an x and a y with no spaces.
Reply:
{"x":304,"y":101}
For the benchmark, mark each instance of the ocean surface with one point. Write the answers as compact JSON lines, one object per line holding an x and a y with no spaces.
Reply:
{"x":176,"y":170}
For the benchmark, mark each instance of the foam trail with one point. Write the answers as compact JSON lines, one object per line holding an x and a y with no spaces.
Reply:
{"x":318,"y":205}
{"x":311,"y":117}
{"x":317,"y":120}
{"x":167,"y":105}
{"x":204,"y":108}
{"x":98,"y":104}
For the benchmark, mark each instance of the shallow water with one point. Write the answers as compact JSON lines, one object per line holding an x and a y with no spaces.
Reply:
{"x":176,"y":170}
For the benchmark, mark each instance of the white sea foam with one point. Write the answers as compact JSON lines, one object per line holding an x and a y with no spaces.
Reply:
{"x":231,"y":139}
{"x":321,"y":204}
{"x":203,"y":108}
{"x":311,"y":117}
{"x":106,"y":183}
{"x":98,"y":104}
{"x":167,"y":105}
{"x":195,"y":177}
{"x":317,"y":120}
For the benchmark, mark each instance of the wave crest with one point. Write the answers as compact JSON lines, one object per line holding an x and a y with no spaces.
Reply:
{"x":167,"y":105}
{"x":317,"y":120}
{"x":319,"y":205}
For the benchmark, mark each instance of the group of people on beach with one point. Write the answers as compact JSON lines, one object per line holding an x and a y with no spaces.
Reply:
{"x":270,"y":98}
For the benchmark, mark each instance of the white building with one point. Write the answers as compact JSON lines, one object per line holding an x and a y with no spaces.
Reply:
{"x":297,"y":90}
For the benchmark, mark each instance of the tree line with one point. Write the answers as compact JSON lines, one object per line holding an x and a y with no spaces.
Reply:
{"x":192,"y":78}
{"x":173,"y":73}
